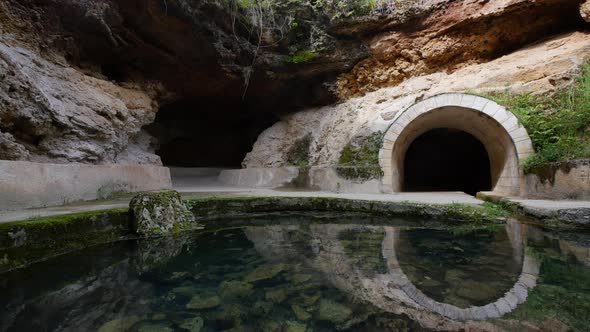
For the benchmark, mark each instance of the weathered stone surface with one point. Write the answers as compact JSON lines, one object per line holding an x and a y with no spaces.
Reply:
{"x":585,"y":10}
{"x":264,"y":272}
{"x":193,"y":324}
{"x":26,"y":184}
{"x":540,"y":69}
{"x":200,"y":302}
{"x":53,"y":112}
{"x":159,"y":213}
{"x":333,"y":312}
{"x":119,"y":324}
{"x":235,"y":289}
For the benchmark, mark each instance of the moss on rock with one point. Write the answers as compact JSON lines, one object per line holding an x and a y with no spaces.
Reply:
{"x":25,"y":242}
{"x":231,"y":207}
{"x":159,"y":213}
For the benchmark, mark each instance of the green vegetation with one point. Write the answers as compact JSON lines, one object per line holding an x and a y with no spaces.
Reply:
{"x":230,"y":207}
{"x":298,"y":154}
{"x":562,"y":292}
{"x":361,"y":161}
{"x":25,"y":242}
{"x":302,"y":57}
{"x":559,"y":126}
{"x":486,"y":211}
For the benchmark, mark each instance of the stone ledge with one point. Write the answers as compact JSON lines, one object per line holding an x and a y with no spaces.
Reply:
{"x":28,"y":185}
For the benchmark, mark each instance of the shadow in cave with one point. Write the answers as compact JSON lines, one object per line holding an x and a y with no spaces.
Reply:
{"x":207,"y":132}
{"x":447,"y":160}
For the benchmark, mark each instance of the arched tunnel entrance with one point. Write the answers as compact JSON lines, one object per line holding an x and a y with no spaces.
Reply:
{"x":454,"y":142}
{"x":446,"y":159}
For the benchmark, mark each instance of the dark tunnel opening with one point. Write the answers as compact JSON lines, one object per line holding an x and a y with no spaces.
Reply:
{"x":207,"y":132}
{"x":447,"y":160}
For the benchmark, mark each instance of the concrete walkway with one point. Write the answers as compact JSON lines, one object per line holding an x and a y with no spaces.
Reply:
{"x":206,"y":185}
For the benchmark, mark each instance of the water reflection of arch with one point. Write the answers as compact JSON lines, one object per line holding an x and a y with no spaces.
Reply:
{"x":511,"y":299}
{"x":391,"y":291}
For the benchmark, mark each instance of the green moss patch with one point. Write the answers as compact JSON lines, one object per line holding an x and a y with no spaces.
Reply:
{"x":360,"y":161}
{"x":226,"y":207}
{"x":302,"y":57}
{"x":25,"y":242}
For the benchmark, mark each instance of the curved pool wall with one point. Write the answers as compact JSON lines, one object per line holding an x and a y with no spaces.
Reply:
{"x":26,"y":242}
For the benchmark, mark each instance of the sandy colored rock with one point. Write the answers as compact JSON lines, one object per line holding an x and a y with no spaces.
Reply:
{"x":204,"y":301}
{"x":119,"y":324}
{"x":264,"y":272}
{"x":539,"y":69}
{"x":585,"y":10}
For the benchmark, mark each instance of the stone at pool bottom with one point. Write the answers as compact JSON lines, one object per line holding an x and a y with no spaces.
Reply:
{"x":193,"y":324}
{"x":333,"y":311}
{"x":235,"y":289}
{"x":265,"y":272}
{"x":155,"y":328}
{"x":119,"y":324}
{"x":204,"y":301}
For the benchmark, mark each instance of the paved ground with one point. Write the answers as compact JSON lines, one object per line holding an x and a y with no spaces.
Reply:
{"x":550,"y":205}
{"x":206,"y":185}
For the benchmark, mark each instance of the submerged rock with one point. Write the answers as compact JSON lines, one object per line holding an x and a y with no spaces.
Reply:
{"x":277,"y":295}
{"x":158,"y":213}
{"x":119,"y":324}
{"x":291,"y":326}
{"x":301,"y":278}
{"x":265,"y":272}
{"x":201,"y":301}
{"x":235,"y":289}
{"x":300,"y":313}
{"x":270,"y":326}
{"x":155,"y":328}
{"x":333,"y":311}
{"x":309,"y":300}
{"x":193,"y":324}
{"x":185,"y":290}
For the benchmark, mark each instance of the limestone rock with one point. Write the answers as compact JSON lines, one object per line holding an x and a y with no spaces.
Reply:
{"x":539,"y":69}
{"x":155,"y":328}
{"x":57,"y":113}
{"x":264,"y":272}
{"x":235,"y":289}
{"x":333,"y":311}
{"x":119,"y":324}
{"x":300,"y":313}
{"x":585,"y":10}
{"x":276,"y":295}
{"x":159,"y":213}
{"x":193,"y":324}
{"x":291,"y":326}
{"x":204,"y":301}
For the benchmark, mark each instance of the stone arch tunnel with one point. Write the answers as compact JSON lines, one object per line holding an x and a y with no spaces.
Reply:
{"x":454,"y":142}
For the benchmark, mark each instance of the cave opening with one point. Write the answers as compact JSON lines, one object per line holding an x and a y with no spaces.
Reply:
{"x":445,"y":159}
{"x":207,"y":132}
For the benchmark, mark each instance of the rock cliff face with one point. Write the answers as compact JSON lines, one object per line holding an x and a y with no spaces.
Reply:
{"x":193,"y":82}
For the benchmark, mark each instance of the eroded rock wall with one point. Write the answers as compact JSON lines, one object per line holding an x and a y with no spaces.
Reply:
{"x":83,"y":81}
{"x":539,"y":69}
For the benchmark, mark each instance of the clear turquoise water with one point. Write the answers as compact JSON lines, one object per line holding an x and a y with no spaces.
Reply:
{"x":299,"y":277}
